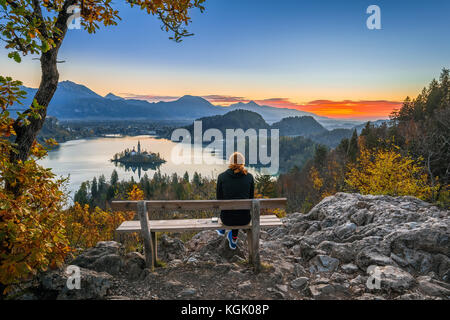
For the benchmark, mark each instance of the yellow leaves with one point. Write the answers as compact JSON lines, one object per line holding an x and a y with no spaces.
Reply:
{"x":315,"y":178}
{"x":280,"y":213}
{"x":136,"y":193}
{"x":32,"y":228}
{"x":386,"y":171}
{"x":85,"y":227}
{"x":51,"y":142}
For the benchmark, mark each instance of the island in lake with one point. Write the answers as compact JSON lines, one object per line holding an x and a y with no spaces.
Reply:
{"x":138,"y":159}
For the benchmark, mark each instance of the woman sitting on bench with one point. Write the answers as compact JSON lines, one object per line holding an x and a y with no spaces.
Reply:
{"x":235,"y":183}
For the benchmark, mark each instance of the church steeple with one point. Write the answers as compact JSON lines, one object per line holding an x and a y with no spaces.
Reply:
{"x":139,"y":147}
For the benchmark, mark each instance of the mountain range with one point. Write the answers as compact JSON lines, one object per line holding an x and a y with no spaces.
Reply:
{"x":74,"y":101}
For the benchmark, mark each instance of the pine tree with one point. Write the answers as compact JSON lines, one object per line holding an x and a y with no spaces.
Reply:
{"x":81,"y":196}
{"x":186,"y":177}
{"x":320,"y":156}
{"x":114,"y":177}
{"x":353,"y":147}
{"x":94,"y":188}
{"x":196,"y":180}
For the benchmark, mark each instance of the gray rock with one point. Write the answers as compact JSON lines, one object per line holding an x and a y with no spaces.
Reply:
{"x":345,"y":230}
{"x":324,"y":263}
{"x":369,"y":296}
{"x":349,"y":268}
{"x":285,"y":267}
{"x":394,"y":279}
{"x":106,"y":256}
{"x":111,"y":263}
{"x":276,"y":294}
{"x":134,"y":266}
{"x":362,"y":217}
{"x":434,"y":288}
{"x":188,"y":292}
{"x":327,"y":291}
{"x":192,"y":260}
{"x":358,"y":280}
{"x":299,"y":271}
{"x":282,"y":287}
{"x":201,"y":239}
{"x":343,"y":251}
{"x":275,"y":277}
{"x":245,"y":286}
{"x":170,"y":248}
{"x":300,"y":283}
{"x":411,"y":296}
{"x":370,"y":257}
{"x":93,"y":285}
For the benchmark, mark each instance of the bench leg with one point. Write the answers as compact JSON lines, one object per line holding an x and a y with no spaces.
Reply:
{"x":254,"y":234}
{"x":250,"y":246}
{"x":145,"y":231}
{"x":155,"y":247}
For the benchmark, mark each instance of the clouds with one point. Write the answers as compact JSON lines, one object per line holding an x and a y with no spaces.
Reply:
{"x":222,"y":99}
{"x":149,"y":98}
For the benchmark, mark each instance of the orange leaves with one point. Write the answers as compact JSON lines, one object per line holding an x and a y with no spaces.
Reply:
{"x":32,"y":229}
{"x":85,"y":227}
{"x":136,"y":193}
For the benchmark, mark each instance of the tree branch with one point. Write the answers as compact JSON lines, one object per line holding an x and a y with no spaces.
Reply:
{"x":38,"y":14}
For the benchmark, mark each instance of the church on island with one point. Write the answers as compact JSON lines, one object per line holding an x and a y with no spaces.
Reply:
{"x":133,"y":152}
{"x":138,"y":157}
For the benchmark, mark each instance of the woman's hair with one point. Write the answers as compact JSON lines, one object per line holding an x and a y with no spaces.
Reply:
{"x":237,"y":162}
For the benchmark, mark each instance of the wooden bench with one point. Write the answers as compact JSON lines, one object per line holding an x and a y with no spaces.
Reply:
{"x":148,"y":228}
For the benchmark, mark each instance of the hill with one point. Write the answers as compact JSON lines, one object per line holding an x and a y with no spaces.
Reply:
{"x":242,"y":119}
{"x":299,"y":126}
{"x":333,"y":137}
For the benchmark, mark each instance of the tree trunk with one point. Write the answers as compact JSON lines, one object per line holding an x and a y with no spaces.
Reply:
{"x":26,"y":134}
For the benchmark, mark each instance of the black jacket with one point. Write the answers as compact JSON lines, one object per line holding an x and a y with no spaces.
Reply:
{"x":232,"y":185}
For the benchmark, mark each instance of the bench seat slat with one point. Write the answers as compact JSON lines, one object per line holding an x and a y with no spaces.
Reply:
{"x":192,"y":225}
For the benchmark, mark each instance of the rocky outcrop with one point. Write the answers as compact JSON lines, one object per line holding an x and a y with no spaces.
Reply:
{"x":170,"y":249}
{"x":392,"y":241}
{"x":93,"y":285}
{"x":348,"y":247}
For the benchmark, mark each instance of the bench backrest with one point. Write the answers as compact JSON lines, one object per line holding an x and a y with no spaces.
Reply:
{"x":245,"y":204}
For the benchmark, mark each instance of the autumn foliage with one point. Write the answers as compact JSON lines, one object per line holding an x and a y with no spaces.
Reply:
{"x":386,"y":171}
{"x":36,"y":231}
{"x":32,"y":226}
{"x":85,"y":226}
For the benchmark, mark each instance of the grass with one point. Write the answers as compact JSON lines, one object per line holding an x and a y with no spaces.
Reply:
{"x":160,"y":264}
{"x":266,"y":267}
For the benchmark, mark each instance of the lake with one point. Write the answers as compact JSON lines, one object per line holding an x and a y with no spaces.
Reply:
{"x":85,"y":159}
